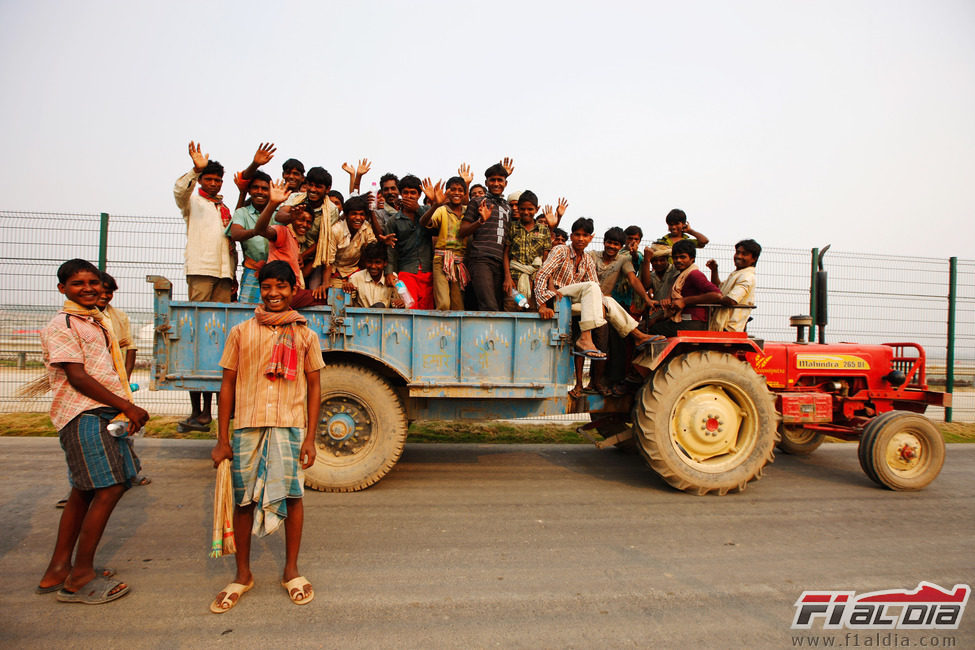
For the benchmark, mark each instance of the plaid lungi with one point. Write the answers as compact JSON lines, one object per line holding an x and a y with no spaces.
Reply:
{"x":266,"y":472}
{"x":96,"y":458}
{"x":250,"y":290}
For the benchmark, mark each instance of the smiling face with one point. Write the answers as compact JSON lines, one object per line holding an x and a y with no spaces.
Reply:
{"x":355,"y":219}
{"x":260,"y":193}
{"x":526,"y":212}
{"x":276,"y":294}
{"x":743,"y":259}
{"x":390,"y":191}
{"x":316,"y":192}
{"x":105,"y":298}
{"x":294,"y":179}
{"x":676,"y":230}
{"x":301,"y":221}
{"x":83,"y":288}
{"x":375,"y":266}
{"x":496,"y":184}
{"x":659,"y":264}
{"x":477,"y":192}
{"x":211,"y":184}
{"x":455,"y":195}
{"x":611,"y":249}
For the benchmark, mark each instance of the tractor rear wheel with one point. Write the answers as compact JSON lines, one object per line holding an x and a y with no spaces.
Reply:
{"x":361,"y":430}
{"x":798,"y":440}
{"x":905,"y":451}
{"x":706,"y":422}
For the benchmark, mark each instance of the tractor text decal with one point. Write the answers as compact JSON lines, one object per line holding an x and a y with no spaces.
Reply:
{"x":830,"y":362}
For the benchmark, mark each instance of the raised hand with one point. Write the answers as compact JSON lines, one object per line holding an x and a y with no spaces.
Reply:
{"x":563,"y":206}
{"x":241,"y":182}
{"x":509,"y":165}
{"x":279,"y":191}
{"x":464,"y":171}
{"x":434,"y":193}
{"x":711,"y":264}
{"x":389,"y":240}
{"x":347,"y":168}
{"x":485,"y":209}
{"x":264,"y":153}
{"x":363,"y":167}
{"x":380,"y":201}
{"x":549,"y":215}
{"x":200,"y":160}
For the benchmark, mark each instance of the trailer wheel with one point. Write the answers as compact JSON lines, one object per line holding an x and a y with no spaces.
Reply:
{"x":905,"y":450}
{"x":798,"y":440}
{"x":706,"y":422}
{"x":361,"y":430}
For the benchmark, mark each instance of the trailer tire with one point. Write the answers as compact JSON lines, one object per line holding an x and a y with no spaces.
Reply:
{"x":906,"y":451}
{"x":361,"y":430}
{"x":799,"y":441}
{"x":679,"y":417}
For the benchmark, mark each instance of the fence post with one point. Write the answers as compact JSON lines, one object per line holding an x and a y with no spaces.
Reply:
{"x":813,"y":295}
{"x":950,"y":352}
{"x":103,"y":242}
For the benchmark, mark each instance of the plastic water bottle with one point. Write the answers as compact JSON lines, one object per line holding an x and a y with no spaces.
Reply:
{"x":404,"y":293}
{"x":519,"y":298}
{"x":133,"y":387}
{"x":118,"y":428}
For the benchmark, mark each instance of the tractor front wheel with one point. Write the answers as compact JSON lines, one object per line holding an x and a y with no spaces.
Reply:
{"x":902,"y":450}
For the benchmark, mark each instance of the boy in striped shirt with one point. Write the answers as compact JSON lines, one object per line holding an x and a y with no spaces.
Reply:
{"x":271,"y":367}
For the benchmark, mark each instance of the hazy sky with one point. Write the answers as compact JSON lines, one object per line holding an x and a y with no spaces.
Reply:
{"x":796,"y":123}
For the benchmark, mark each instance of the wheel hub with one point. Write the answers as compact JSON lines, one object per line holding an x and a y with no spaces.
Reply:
{"x":904,"y":452}
{"x":706,"y":423}
{"x":345,"y":427}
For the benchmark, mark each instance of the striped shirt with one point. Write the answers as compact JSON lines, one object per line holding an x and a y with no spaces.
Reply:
{"x":82,"y":342}
{"x":560,"y":266}
{"x":259,"y":401}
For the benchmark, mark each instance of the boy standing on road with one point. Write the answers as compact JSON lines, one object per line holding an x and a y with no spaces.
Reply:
{"x":87,"y":375}
{"x":210,"y":256}
{"x":271,"y":367}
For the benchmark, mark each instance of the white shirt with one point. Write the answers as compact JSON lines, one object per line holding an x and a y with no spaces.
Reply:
{"x":207,"y":250}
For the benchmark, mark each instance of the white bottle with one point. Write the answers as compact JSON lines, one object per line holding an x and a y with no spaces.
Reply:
{"x":519,"y":298}
{"x":404,"y":293}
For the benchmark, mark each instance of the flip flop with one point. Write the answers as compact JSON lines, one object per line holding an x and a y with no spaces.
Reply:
{"x":99,"y":571}
{"x":142,"y":479}
{"x":656,"y":338}
{"x":234,"y":588}
{"x":592,"y":354}
{"x":575,"y":393}
{"x":296,"y":590}
{"x":61,"y":503}
{"x":95,"y":592}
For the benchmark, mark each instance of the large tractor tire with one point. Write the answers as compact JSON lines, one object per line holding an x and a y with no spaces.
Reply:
{"x":902,"y":450}
{"x":706,"y":422}
{"x":361,"y":431}
{"x":799,"y":441}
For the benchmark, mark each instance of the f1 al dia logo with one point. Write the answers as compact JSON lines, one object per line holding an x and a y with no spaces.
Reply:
{"x":929,"y":607}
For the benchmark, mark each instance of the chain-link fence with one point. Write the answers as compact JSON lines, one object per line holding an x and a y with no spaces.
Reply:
{"x":872,"y":298}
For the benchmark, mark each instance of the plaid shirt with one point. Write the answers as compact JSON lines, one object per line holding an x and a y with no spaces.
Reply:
{"x":527,"y":245}
{"x":560,"y":266}
{"x":83,"y":342}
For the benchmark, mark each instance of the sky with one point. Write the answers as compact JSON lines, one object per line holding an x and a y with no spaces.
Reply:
{"x":795,"y":123}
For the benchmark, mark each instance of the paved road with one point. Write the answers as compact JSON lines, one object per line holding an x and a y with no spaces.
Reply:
{"x":511,"y":546}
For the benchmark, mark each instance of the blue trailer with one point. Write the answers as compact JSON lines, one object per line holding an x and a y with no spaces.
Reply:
{"x":384,"y":369}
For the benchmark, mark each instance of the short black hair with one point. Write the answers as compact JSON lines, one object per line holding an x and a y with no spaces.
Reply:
{"x":497,"y":169}
{"x":108,"y":282}
{"x":684,"y":246}
{"x":277,"y":270}
{"x":338,"y":195}
{"x":558,"y":232}
{"x":373,"y":251}
{"x":357,"y":204}
{"x":389,"y":176}
{"x":410,"y":182}
{"x":585,"y":224}
{"x":676,"y":216}
{"x":261,"y":176}
{"x":476,"y":185}
{"x":633,"y":230}
{"x":455,"y":180}
{"x":529,"y":196}
{"x":319,"y":176}
{"x":751,"y":246}
{"x":213,"y":167}
{"x":76,"y":265}
{"x":292,"y":163}
{"x":615,"y":234}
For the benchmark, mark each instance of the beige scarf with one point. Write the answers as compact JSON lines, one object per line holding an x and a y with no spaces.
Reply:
{"x":677,"y":290}
{"x":104,"y":322}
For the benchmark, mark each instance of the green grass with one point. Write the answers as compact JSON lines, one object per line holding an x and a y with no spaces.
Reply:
{"x":39,"y":424}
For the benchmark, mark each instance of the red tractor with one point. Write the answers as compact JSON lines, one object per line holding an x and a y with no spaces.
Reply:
{"x":714,"y":405}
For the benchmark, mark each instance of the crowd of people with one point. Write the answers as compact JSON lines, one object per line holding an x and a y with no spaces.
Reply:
{"x":415,"y":244}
